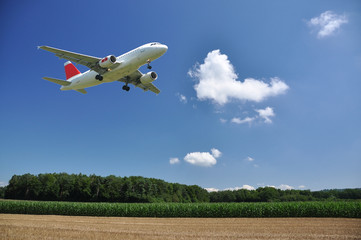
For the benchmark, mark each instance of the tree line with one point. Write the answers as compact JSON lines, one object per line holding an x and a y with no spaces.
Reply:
{"x":80,"y":187}
{"x":93,"y":188}
{"x":270,"y":194}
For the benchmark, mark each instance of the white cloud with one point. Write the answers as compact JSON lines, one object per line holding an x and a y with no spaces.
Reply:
{"x":3,"y":184}
{"x":203,"y":159}
{"x":241,"y":121}
{"x":223,"y":120}
{"x":218,"y":82}
{"x":249,"y":159}
{"x":174,"y":160}
{"x":247,"y":187}
{"x":216,"y":153}
{"x":327,"y":23}
{"x":282,"y":186}
{"x":182,"y":98}
{"x":285,"y":187}
{"x":266,"y":114}
{"x":212,"y":189}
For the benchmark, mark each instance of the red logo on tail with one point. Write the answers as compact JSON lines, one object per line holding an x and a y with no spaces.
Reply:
{"x":70,"y":70}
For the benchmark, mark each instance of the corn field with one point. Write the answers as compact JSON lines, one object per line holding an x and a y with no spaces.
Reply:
{"x":191,"y":210}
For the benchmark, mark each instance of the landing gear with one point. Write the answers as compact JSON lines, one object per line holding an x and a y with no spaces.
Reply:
{"x":99,"y":77}
{"x":149,"y":67}
{"x":126,"y":88}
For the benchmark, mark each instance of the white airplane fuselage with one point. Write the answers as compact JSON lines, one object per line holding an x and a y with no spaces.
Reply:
{"x":129,"y":63}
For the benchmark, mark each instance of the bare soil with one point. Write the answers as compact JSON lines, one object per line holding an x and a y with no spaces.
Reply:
{"x":67,"y":227}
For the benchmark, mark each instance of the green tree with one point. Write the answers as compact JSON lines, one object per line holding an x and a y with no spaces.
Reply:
{"x":268,"y":194}
{"x":81,"y":190}
{"x":66,"y":185}
{"x":2,"y":192}
{"x":113,"y":189}
{"x":96,"y":186}
{"x":26,"y":186}
{"x":49,"y":187}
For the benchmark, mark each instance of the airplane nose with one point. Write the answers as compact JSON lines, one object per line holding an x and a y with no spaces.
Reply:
{"x":164,"y":47}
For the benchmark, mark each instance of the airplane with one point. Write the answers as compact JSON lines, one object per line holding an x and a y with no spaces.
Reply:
{"x":109,"y":69}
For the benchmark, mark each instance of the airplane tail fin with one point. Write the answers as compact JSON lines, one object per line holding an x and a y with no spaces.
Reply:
{"x":57,"y":81}
{"x":70,"y":70}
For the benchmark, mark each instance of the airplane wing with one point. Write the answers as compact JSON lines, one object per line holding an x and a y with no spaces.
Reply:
{"x":134,"y":79}
{"x":153,"y":88}
{"x":88,"y":61}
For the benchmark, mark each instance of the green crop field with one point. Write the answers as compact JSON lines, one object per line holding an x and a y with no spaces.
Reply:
{"x":207,"y":210}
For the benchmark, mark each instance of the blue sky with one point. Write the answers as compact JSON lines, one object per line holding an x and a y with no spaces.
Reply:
{"x":254,"y":93}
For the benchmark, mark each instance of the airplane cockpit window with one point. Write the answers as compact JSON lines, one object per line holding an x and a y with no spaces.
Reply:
{"x":155,"y":43}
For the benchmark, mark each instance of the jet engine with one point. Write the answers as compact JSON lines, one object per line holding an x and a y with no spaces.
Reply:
{"x":148,"y":78}
{"x":107,"y":61}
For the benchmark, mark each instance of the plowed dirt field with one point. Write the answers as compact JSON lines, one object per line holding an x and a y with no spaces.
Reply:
{"x":66,"y":227}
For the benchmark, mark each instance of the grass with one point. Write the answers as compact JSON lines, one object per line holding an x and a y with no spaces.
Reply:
{"x":191,"y":210}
